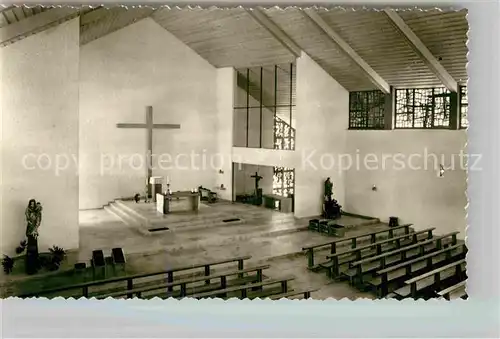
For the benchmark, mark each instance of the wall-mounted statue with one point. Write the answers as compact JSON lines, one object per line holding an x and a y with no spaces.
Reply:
{"x":33,"y":215}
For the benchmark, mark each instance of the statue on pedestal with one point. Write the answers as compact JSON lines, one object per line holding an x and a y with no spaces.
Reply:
{"x":33,"y":215}
{"x":328,"y":189}
{"x":331,"y":207}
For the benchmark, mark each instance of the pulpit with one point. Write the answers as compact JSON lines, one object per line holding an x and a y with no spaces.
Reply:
{"x":156,"y":186}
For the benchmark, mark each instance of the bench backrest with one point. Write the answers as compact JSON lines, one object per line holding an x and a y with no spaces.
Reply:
{"x":135,"y":276}
{"x":422,"y":258}
{"x":355,"y":237}
{"x":437,"y":270}
{"x":452,"y":288}
{"x":381,"y":242}
{"x":189,"y":281}
{"x":403,"y":249}
{"x":292,"y":293}
{"x":243,"y":287}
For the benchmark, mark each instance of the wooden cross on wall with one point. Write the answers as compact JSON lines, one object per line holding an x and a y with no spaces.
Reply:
{"x":149,"y":126}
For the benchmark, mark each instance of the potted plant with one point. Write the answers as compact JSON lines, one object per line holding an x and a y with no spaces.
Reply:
{"x":8,"y":264}
{"x":22,"y":247}
{"x":57,"y":255}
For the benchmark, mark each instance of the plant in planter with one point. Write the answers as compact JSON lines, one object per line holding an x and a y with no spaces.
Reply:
{"x":57,"y":255}
{"x":8,"y":264}
{"x":22,"y":247}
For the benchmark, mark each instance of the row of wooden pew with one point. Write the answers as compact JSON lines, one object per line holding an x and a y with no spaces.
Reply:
{"x":398,"y":263}
{"x":193,"y":281}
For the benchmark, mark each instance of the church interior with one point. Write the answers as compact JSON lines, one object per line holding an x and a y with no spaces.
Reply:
{"x":239,"y":152}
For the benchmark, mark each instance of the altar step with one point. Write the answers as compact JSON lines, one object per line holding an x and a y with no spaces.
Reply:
{"x":131,"y":216}
{"x":128,"y":216}
{"x":349,"y":223}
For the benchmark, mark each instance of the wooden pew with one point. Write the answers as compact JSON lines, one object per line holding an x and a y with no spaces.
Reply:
{"x":129,"y":280}
{"x":184,"y":283}
{"x":354,"y":242}
{"x":371,"y":264}
{"x":414,"y":285}
{"x":243,"y":289}
{"x":305,"y":293}
{"x":336,"y":260}
{"x":454,"y":292}
{"x":411,"y":267}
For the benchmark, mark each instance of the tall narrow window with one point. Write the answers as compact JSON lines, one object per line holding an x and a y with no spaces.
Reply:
{"x":264,"y":107}
{"x":284,"y":181}
{"x":367,"y":110}
{"x":423,"y":108}
{"x":464,"y":107}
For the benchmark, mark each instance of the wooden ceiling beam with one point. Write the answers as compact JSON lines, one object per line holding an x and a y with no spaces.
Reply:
{"x":420,"y":48}
{"x":374,"y":77}
{"x":258,"y":15}
{"x":6,"y":8}
{"x":36,"y":23}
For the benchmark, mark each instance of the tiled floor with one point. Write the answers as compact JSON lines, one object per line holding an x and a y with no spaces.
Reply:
{"x":268,"y":236}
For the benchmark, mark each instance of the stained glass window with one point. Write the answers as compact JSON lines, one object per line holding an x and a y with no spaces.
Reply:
{"x":367,"y":110}
{"x":464,"y":106}
{"x":423,"y":108}
{"x":283,"y":181}
{"x":284,"y":135}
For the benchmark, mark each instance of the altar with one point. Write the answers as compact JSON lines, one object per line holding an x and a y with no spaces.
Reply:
{"x":177,"y":201}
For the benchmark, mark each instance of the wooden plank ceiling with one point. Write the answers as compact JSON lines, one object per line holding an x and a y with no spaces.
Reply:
{"x":232,"y":37}
{"x":228,"y":37}
{"x":13,"y":14}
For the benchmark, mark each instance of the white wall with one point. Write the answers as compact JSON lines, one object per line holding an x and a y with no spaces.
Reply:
{"x":322,"y":120}
{"x":225,"y":89}
{"x":39,"y":106}
{"x":265,"y":157}
{"x":408,"y":185}
{"x":121,"y":74}
{"x":321,"y":123}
